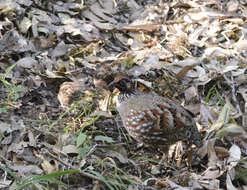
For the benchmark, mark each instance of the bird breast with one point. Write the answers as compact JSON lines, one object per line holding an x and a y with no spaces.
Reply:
{"x":140,"y":102}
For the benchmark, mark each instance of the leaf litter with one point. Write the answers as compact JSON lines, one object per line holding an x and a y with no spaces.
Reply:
{"x":56,"y":112}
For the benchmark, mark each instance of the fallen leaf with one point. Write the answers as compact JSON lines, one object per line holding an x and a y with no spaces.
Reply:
{"x":70,"y":150}
{"x":230,"y":130}
{"x":235,"y":155}
{"x":229,"y":184}
{"x":146,"y":28}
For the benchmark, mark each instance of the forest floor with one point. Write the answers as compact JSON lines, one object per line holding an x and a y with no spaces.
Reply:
{"x":59,"y":128}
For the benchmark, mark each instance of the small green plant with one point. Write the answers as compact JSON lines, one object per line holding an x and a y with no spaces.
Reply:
{"x":241,"y":172}
{"x":116,"y":178}
{"x":127,"y":61}
{"x":4,"y":108}
{"x":83,"y":147}
{"x":214,"y":93}
{"x":81,"y":104}
{"x":38,"y":181}
{"x":13,"y":91}
{"x":42,"y":180}
{"x":84,"y":144}
{"x":105,"y":170}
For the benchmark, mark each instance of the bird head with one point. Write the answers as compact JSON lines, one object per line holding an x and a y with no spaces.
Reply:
{"x":123,"y":84}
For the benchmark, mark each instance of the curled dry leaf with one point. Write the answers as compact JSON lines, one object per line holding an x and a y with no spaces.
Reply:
{"x":190,"y":93}
{"x":206,"y":116}
{"x":48,"y":167}
{"x":221,"y":152}
{"x":122,"y":158}
{"x":211,"y":184}
{"x":4,"y":184}
{"x":70,"y":150}
{"x":235,"y":155}
{"x":27,"y":63}
{"x":222,"y":120}
{"x":212,"y":157}
{"x":199,"y":182}
{"x":104,"y":104}
{"x":229,"y":184}
{"x":230,"y":130}
{"x":26,"y":169}
{"x":232,"y":6}
{"x":176,"y":186}
{"x":161,"y":184}
{"x":203,"y":151}
{"x":183,"y":72}
{"x":69,"y":92}
{"x":216,"y":126}
{"x":225,"y":112}
{"x":4,"y":127}
{"x":24,"y":25}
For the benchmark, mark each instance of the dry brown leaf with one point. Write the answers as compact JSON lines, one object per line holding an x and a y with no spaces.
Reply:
{"x":161,"y":184}
{"x":104,"y":104}
{"x":70,"y":150}
{"x":48,"y":167}
{"x":176,"y":186}
{"x":221,"y":152}
{"x":229,"y":184}
{"x":232,"y":6}
{"x":183,"y":72}
{"x":146,"y":28}
{"x":211,"y":173}
{"x":235,"y":155}
{"x":206,"y":115}
{"x":69,"y":92}
{"x":212,"y":158}
{"x":216,"y":126}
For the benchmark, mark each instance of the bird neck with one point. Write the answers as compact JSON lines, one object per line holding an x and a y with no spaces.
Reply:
{"x":123,"y":96}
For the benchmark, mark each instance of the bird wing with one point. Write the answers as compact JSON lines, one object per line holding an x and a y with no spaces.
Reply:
{"x":164,"y":123}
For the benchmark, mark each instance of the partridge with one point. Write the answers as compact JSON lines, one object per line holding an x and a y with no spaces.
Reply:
{"x":152,"y":119}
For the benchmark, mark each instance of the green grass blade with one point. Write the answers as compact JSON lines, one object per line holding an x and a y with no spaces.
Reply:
{"x":10,"y":173}
{"x":48,"y":177}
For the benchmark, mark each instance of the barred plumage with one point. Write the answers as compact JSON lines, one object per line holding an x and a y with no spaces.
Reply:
{"x":152,"y":119}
